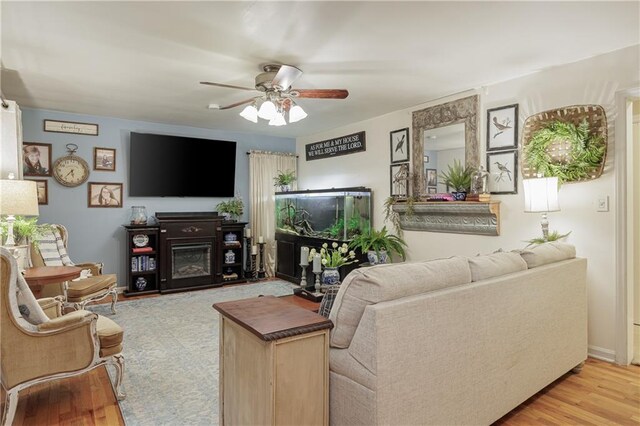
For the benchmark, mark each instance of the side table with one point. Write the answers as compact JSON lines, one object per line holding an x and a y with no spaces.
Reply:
{"x":39,"y":276}
{"x":274,"y":363}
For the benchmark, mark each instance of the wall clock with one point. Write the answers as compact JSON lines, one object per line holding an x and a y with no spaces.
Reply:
{"x":71,"y":170}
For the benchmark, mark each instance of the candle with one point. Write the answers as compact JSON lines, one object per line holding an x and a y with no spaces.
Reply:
{"x":304,"y":256}
{"x":317,"y":265}
{"x":260,"y":239}
{"x":254,"y":250}
{"x":247,"y":232}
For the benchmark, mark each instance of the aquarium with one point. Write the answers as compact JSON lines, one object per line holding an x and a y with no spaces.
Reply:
{"x":335,"y":214}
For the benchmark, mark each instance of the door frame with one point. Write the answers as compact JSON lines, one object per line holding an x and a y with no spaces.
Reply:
{"x":624,"y":225}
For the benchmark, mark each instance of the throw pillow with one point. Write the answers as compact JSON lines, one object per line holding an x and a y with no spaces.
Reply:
{"x":327,"y":301}
{"x":542,"y":254}
{"x":494,"y":265}
{"x":28,"y":305}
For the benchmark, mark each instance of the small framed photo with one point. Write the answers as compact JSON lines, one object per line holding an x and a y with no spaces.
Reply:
{"x":502,"y":128}
{"x":399,"y":179}
{"x":503,"y":172}
{"x":104,"y":194}
{"x":432,"y":190}
{"x":43,"y":191}
{"x":36,"y":159}
{"x":104,"y":159}
{"x":399,"y":140}
{"x":431,"y":176}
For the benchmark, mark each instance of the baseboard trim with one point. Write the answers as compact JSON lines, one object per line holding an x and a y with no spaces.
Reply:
{"x":601,"y":354}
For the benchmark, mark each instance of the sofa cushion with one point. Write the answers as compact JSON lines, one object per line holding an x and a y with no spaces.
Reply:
{"x":368,"y":286}
{"x":496,"y":264}
{"x":542,"y":254}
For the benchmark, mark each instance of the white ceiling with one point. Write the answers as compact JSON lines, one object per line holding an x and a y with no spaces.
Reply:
{"x":143,"y":60}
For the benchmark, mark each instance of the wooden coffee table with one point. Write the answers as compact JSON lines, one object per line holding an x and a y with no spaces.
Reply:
{"x":40,"y":276}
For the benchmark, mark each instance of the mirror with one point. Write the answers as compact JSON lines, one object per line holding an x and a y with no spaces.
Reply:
{"x":442,"y":146}
{"x":455,"y":122}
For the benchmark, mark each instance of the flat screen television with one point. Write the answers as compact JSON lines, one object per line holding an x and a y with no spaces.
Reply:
{"x":177,"y":166}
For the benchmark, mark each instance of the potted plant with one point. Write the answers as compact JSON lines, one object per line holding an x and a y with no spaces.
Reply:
{"x":379,"y":245}
{"x":458,"y":177}
{"x":332,"y":259}
{"x":284,"y":180}
{"x":24,"y":230}
{"x":231,"y":209}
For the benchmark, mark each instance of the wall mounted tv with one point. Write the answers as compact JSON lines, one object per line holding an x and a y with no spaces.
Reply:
{"x":177,"y":166}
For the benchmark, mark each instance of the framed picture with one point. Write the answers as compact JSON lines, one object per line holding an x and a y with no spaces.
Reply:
{"x":43,"y":190}
{"x":502,"y":128}
{"x":399,"y":140}
{"x":432,"y":190}
{"x":503,"y":172}
{"x":398,"y":178}
{"x":431,"y":176}
{"x":36,"y":159}
{"x":104,"y":159}
{"x":104,"y":194}
{"x":71,"y":127}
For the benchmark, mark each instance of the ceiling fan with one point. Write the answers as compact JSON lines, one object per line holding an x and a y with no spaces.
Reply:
{"x":278,"y":96}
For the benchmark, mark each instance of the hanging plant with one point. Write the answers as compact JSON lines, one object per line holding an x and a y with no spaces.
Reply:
{"x":582,"y":156}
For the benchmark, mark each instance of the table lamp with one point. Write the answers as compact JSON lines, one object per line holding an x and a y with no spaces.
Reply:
{"x":541,"y":196}
{"x":17,"y":197}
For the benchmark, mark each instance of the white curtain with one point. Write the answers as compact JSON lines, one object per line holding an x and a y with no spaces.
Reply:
{"x":10,"y":140}
{"x":263,"y":167}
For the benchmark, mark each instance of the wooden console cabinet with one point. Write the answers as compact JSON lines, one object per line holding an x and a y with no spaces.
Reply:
{"x":274,"y":363}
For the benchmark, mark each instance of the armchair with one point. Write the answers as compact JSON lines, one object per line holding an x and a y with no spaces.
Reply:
{"x":50,"y":250}
{"x":80,"y":340}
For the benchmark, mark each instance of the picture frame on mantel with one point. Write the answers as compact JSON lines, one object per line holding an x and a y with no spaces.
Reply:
{"x":503,"y":172}
{"x":399,"y":145}
{"x":502,"y":128}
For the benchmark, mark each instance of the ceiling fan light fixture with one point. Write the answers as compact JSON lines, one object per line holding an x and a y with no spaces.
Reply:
{"x":296,"y":113}
{"x":267,"y":110}
{"x":278,"y":120}
{"x":250,"y":113}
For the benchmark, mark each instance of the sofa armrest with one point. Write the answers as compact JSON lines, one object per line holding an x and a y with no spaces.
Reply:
{"x":94,"y":267}
{"x":68,"y":320}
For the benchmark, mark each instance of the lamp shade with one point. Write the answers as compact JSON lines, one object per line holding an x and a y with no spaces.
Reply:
{"x":296,"y":114}
{"x":278,"y":120}
{"x":18,"y":197}
{"x":267,"y":110}
{"x":250,"y":113}
{"x":541,"y":194}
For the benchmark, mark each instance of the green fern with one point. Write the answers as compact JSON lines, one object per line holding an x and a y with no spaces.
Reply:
{"x":553,"y":236}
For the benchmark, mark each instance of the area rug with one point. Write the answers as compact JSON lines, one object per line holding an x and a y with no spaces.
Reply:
{"x":171,"y":353}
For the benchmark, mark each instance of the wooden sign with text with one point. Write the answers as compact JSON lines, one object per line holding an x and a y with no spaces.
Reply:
{"x":338,"y":146}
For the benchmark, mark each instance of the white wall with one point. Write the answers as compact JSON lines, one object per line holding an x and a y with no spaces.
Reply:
{"x":592,"y":81}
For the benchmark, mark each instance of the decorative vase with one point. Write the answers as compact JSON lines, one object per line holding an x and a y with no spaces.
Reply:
{"x":230,"y":237}
{"x":285,"y":188}
{"x":330,"y":276}
{"x":376,"y":258}
{"x":141,"y":283}
{"x":229,"y":257}
{"x":459,"y":195}
{"x":138,"y":215}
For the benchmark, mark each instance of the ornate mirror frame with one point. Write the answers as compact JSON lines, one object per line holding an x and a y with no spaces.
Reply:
{"x":463,"y":110}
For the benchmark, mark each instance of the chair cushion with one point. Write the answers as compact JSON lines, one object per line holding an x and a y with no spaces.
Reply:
{"x":496,"y":264}
{"x":109,"y":333}
{"x":88,"y":286}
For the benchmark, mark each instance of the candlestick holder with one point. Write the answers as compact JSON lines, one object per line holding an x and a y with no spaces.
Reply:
{"x":303,"y":279}
{"x":317,"y":285}
{"x":261,"y":272}
{"x":247,"y":267}
{"x":254,"y":274}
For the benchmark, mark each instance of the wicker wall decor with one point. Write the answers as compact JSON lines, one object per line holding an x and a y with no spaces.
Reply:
{"x":559,"y":151}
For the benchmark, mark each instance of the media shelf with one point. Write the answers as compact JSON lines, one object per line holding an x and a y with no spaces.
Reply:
{"x":232,"y":252}
{"x":142,"y":259}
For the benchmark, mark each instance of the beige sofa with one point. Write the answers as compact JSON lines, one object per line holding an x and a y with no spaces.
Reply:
{"x":458,"y":340}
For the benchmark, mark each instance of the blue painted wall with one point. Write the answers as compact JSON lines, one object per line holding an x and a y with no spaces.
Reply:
{"x":96,"y":234}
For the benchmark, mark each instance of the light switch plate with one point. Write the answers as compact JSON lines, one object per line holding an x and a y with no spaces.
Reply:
{"x":602,"y":203}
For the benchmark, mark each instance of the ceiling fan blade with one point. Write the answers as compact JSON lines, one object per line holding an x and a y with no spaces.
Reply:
{"x":285,"y":77}
{"x":246,"y":101}
{"x":321,"y":93}
{"x":229,"y":86}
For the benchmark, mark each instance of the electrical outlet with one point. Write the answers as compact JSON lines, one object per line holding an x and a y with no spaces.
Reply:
{"x":602,"y":204}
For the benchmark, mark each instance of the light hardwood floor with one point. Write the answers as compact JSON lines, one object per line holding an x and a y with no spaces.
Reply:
{"x":601,"y":394}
